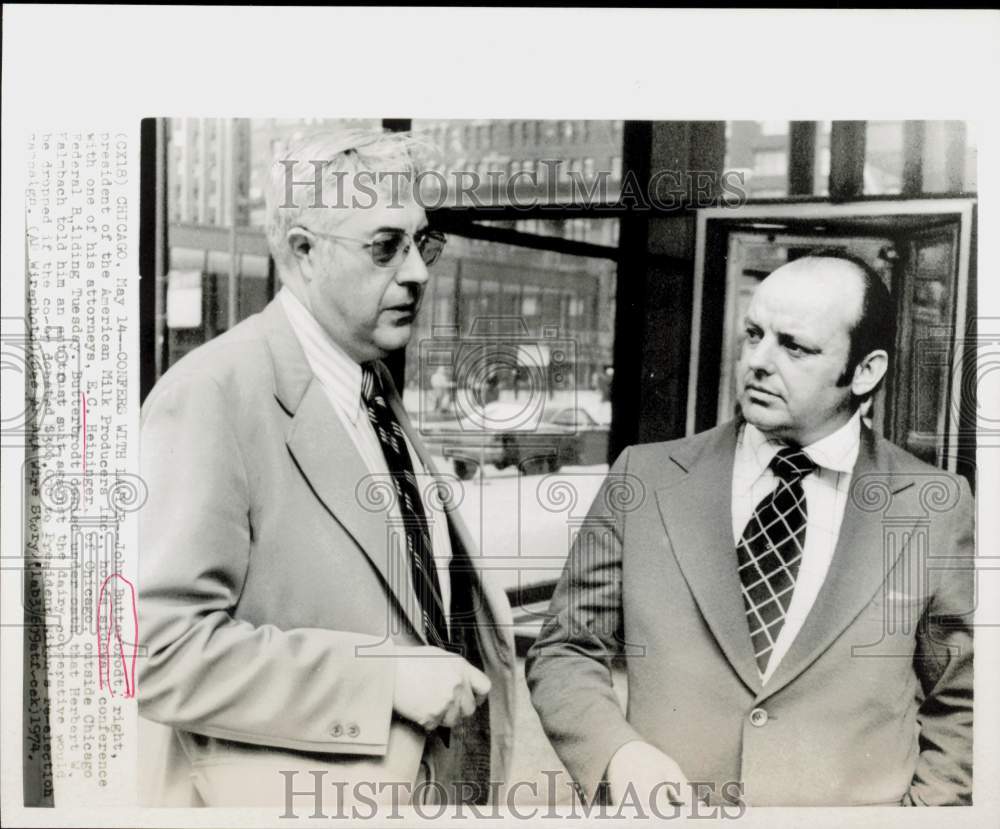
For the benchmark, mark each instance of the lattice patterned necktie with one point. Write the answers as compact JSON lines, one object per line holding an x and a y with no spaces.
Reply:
{"x":411,"y":508}
{"x":770,"y":551}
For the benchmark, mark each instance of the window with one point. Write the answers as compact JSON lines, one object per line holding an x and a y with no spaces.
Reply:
{"x":442,"y":309}
{"x":550,"y":305}
{"x":489,"y":297}
{"x":949,"y":157}
{"x":770,"y":163}
{"x":550,"y":134}
{"x":759,"y":150}
{"x":821,"y":170}
{"x":970,"y":178}
{"x":510,"y":298}
{"x":884,"y":149}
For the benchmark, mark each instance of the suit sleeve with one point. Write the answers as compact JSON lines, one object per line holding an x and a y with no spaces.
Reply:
{"x":569,"y":666}
{"x":205,"y":671}
{"x":943,"y":663}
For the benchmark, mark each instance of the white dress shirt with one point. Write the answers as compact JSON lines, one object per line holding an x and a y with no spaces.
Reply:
{"x":340,"y":377}
{"x":826,"y":491}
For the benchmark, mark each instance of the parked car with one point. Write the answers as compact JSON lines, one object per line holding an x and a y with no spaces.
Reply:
{"x":563,"y":436}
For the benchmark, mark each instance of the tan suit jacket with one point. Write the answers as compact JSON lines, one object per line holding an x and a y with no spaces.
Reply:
{"x":268,"y":594}
{"x":872,"y":704}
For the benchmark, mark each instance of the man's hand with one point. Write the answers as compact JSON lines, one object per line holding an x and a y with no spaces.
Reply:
{"x":436,"y":688}
{"x":650,"y":773}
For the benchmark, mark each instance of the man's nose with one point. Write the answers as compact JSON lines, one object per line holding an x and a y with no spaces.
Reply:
{"x":413,"y":269}
{"x":760,"y":356}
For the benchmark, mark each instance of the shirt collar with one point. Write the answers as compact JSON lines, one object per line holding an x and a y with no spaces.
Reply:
{"x":838,"y":451}
{"x":339,"y":375}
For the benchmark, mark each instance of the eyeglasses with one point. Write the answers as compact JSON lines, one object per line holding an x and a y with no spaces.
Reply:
{"x":389,"y":248}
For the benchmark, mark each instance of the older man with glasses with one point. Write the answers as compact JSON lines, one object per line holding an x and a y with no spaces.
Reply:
{"x":315,"y":622}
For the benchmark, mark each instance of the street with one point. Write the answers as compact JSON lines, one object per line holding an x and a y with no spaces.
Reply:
{"x":525,"y":522}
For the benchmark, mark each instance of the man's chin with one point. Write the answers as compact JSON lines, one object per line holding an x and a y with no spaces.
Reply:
{"x":392,"y":338}
{"x":763,"y":417}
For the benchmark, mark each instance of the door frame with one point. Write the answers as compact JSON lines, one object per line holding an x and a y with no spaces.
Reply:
{"x":962,"y":209}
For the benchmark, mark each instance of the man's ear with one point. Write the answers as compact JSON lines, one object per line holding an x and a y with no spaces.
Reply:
{"x":869,"y":372}
{"x":301,"y":244}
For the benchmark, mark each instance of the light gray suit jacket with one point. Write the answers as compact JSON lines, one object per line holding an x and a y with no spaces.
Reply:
{"x":268,"y":594}
{"x":872,"y":704}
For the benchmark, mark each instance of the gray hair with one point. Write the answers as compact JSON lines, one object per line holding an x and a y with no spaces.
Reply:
{"x":392,"y":158}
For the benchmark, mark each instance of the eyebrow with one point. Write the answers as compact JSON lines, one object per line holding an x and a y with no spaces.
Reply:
{"x":789,"y":339}
{"x":392,"y":228}
{"x":784,"y":338}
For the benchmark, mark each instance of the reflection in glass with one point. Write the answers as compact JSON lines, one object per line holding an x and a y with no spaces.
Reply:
{"x":552,"y":311}
{"x":759,"y":150}
{"x":502,"y":162}
{"x":949,"y":157}
{"x":927,"y":312}
{"x":884,"y":151}
{"x":594,"y":231}
{"x":510,"y":390}
{"x":821,"y":169}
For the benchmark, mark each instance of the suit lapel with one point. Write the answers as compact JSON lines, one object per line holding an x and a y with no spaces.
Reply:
{"x":331,"y":464}
{"x":697,"y":513}
{"x":860,"y":564}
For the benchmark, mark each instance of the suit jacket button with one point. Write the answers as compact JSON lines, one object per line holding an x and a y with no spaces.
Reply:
{"x":336,"y":729}
{"x":758,"y":717}
{"x":353,"y":730}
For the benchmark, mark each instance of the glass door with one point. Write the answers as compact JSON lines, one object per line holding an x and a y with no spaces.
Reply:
{"x":927,"y":325}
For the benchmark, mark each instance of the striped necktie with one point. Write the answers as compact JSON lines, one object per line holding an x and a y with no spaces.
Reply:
{"x":411,"y":508}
